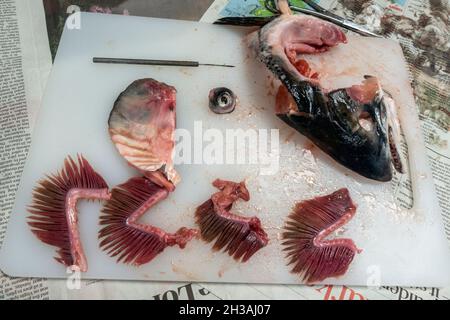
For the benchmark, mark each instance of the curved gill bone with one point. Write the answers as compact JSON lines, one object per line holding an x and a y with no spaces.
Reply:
{"x":72,"y":198}
{"x":53,"y":212}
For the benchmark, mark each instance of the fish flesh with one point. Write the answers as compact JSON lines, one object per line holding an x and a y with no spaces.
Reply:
{"x":54,"y":214}
{"x":353,"y":125}
{"x":241,"y":236}
{"x":142,"y":127}
{"x":123,"y":236}
{"x":314,"y":258}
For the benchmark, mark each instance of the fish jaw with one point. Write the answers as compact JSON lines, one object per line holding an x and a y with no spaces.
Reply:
{"x":142,"y":127}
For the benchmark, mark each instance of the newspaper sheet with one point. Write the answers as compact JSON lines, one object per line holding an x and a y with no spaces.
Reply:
{"x":25,"y":65}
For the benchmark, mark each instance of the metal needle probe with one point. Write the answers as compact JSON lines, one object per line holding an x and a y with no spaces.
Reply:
{"x":151,"y":62}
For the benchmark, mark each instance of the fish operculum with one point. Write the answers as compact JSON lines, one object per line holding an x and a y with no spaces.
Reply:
{"x":394,"y":133}
{"x":142,"y":127}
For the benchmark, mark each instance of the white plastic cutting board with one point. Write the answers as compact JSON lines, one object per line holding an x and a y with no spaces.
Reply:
{"x":399,"y":248}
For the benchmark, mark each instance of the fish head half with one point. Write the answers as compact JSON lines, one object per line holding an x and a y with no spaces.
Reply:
{"x":349,"y":124}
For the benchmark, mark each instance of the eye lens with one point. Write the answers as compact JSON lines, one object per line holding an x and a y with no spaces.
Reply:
{"x":222,"y":100}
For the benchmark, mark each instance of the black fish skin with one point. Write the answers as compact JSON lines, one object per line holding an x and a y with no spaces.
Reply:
{"x":332,"y":123}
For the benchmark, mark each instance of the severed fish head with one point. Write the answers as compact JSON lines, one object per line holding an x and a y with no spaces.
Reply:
{"x":142,"y":127}
{"x":349,"y":124}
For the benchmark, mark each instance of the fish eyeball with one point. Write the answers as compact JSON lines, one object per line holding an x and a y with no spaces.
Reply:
{"x":222,"y":100}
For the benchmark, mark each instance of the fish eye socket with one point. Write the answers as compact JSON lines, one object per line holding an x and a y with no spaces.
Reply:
{"x":365,"y":121}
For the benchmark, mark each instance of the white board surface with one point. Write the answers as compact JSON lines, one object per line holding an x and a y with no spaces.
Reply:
{"x":398,"y":249}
